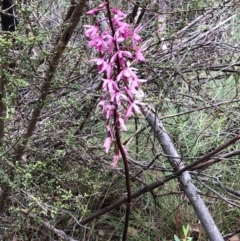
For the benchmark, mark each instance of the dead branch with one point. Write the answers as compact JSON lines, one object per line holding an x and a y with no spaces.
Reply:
{"x":60,"y":233}
{"x":185,"y":179}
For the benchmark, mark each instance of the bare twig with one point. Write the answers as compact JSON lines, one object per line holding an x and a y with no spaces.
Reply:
{"x":60,"y":233}
{"x":216,"y":193}
{"x":149,"y":187}
{"x":61,"y":44}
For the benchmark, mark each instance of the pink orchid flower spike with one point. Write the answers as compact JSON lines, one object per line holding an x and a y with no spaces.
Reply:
{"x":120,"y":81}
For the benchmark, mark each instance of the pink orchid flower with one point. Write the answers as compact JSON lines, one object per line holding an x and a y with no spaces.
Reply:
{"x":121,"y":83}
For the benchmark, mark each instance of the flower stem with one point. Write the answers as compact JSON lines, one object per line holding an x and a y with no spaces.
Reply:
{"x":127,"y":176}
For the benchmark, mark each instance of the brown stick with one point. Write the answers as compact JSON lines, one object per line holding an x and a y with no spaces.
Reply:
{"x":60,"y":233}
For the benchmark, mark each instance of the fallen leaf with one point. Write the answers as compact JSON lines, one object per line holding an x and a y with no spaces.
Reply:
{"x":234,"y":238}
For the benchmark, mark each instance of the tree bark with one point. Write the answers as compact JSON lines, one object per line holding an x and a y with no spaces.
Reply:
{"x":185,"y":179}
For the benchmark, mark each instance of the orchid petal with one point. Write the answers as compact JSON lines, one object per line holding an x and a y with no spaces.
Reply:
{"x":107,"y":144}
{"x":93,"y":11}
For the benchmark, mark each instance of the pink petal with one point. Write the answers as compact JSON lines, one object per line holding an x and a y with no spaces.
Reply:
{"x":127,"y":54}
{"x":132,"y":109}
{"x":109,"y":111}
{"x":91,"y":32}
{"x":116,"y":158}
{"x":102,"y":4}
{"x":122,"y":124}
{"x":118,"y":12}
{"x":139,"y":56}
{"x":107,"y":144}
{"x":101,"y":104}
{"x":93,"y":12}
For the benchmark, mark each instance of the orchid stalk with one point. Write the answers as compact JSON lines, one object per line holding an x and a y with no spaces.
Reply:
{"x":120,"y":83}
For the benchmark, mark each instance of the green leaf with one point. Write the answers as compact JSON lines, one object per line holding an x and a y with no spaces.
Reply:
{"x":186,"y":230}
{"x":176,"y":238}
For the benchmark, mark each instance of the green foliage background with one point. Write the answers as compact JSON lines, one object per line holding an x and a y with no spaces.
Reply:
{"x":65,"y":175}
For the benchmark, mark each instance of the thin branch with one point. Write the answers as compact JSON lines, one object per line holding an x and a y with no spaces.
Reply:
{"x":148,"y":188}
{"x":60,"y":233}
{"x":214,"y":152}
{"x":216,"y":193}
{"x":59,"y":49}
{"x":200,"y":108}
{"x":208,"y":163}
{"x":53,"y":64}
{"x":229,"y":235}
{"x":123,"y":200}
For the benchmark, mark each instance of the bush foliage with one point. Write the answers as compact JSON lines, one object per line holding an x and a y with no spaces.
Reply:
{"x":54,"y":169}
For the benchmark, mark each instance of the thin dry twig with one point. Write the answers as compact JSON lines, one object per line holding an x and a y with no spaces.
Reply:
{"x":60,"y":233}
